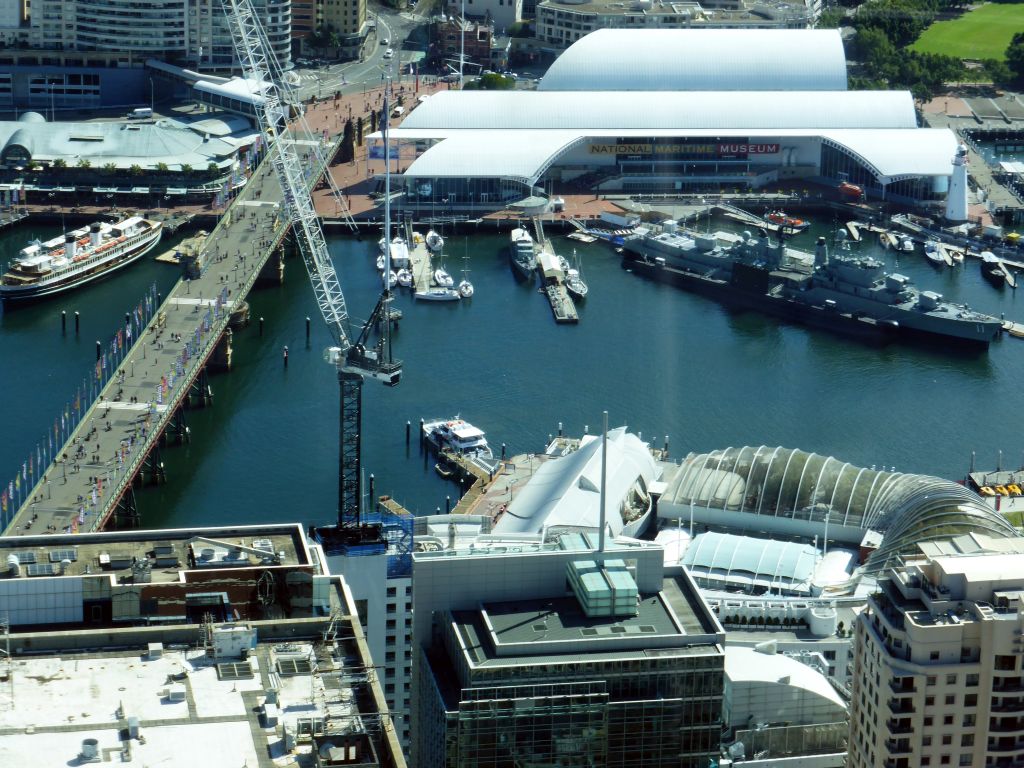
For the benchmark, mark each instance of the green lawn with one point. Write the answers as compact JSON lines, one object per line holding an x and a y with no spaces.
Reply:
{"x":980,"y":34}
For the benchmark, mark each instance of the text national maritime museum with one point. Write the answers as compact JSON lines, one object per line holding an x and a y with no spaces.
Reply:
{"x":690,"y":110}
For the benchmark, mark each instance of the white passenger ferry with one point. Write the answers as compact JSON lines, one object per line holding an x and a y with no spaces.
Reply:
{"x":77,"y":257}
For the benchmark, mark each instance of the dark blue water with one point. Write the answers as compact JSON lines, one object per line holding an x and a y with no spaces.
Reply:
{"x":658,"y":359}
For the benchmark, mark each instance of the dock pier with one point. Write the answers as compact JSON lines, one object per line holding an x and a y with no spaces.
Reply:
{"x":563,"y":309}
{"x":158,"y":373}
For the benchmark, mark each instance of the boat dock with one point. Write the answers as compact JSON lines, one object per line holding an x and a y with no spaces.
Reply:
{"x":188,"y":248}
{"x":422,"y":269}
{"x":563,"y":309}
{"x":144,"y":386}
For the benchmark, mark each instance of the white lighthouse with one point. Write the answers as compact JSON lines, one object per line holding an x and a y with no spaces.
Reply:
{"x":956,"y":198}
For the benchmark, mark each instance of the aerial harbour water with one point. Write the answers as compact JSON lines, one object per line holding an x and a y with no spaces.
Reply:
{"x":657,"y":358}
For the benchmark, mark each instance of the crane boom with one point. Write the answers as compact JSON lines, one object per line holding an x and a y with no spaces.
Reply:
{"x":259,"y":64}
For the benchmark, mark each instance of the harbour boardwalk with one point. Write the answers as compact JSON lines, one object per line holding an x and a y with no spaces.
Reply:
{"x":91,"y":476}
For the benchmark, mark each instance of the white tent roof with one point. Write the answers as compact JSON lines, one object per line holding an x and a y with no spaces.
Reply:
{"x":525,"y":155}
{"x":626,"y":111}
{"x":701,"y":60}
{"x":746,"y":665}
{"x":565,"y":492}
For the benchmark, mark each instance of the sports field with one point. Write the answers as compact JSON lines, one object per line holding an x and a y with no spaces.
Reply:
{"x":980,"y":34}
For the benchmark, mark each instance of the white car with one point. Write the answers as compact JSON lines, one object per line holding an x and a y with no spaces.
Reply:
{"x":389,"y":53}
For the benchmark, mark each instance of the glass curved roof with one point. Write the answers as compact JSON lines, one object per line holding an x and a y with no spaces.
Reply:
{"x":729,"y":558}
{"x":788,"y":483}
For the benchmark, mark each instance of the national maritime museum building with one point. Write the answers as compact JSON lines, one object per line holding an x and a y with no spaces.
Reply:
{"x":688,"y":110}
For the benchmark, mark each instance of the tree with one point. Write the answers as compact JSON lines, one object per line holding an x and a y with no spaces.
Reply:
{"x":110,"y":168}
{"x":1015,"y":56}
{"x":162,"y":168}
{"x":359,"y":131}
{"x":60,"y":162}
{"x":491,"y":82}
{"x":84,"y":163}
{"x":135,"y":170}
{"x":186,"y":169}
{"x":347,"y":150}
{"x":373,"y":121}
{"x":831,"y":18}
{"x":997,"y":70}
{"x":212,"y":168}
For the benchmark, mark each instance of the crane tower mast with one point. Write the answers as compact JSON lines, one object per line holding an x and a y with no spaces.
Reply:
{"x":354,"y":360}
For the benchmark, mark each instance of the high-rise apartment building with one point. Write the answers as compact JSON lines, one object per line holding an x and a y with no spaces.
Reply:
{"x":938,"y":677}
{"x":188,"y":32}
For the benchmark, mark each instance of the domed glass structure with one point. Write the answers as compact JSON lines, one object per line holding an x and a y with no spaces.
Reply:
{"x":792,"y":492}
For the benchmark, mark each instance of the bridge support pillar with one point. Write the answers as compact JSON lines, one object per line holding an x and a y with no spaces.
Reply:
{"x":126,"y":513}
{"x":273,"y":271}
{"x":200,"y":392}
{"x":152,"y":469}
{"x":176,"y":429}
{"x":220,"y":360}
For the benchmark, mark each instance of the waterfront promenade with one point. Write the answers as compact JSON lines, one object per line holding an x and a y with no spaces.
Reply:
{"x":119,"y":435}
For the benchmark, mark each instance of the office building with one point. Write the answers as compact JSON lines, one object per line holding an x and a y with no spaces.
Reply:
{"x":938,"y":676}
{"x":218,"y":646}
{"x":529,"y":653}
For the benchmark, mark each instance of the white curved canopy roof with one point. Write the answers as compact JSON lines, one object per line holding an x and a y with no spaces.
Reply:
{"x":525,"y":155}
{"x":631,"y":110}
{"x":565,"y":492}
{"x":701,"y":60}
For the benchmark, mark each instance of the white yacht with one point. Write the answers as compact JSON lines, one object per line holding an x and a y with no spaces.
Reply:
{"x":456,"y":435}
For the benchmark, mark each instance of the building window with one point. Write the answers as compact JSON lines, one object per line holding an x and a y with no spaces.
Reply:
{"x":929,"y":701}
{"x":1005,"y":663}
{"x":967,"y":740}
{"x":947,"y":739}
{"x":928,"y":721}
{"x":934,"y":656}
{"x":971,"y":700}
{"x":951,"y":679}
{"x":950,"y":699}
{"x":392,"y":592}
{"x":930,"y":680}
{"x":969,"y":721}
{"x":926,"y":741}
{"x":947,"y":720}
{"x":965,"y":759}
{"x":944,"y":759}
{"x":972,"y":680}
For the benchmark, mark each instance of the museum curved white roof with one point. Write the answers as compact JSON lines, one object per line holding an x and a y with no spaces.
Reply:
{"x":525,"y":155}
{"x":701,"y":60}
{"x":627,"y":111}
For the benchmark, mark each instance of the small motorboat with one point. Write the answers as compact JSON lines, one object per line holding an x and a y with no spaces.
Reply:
{"x":392,"y":279}
{"x":575,"y":285}
{"x":906,"y":243}
{"x":404,"y":277}
{"x":442,"y":278}
{"x":438,"y":294}
{"x":933,"y":254}
{"x":444,"y":471}
{"x":434,"y":241}
{"x":790,"y":223}
{"x":574,"y":280}
{"x":992,"y":269}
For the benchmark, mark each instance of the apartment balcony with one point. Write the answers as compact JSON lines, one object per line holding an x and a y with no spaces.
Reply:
{"x":901,"y":706}
{"x":1010,"y":707}
{"x":902,"y":687}
{"x":1006,"y":725}
{"x":900,"y":747}
{"x":1003,"y":747}
{"x":899,"y":726}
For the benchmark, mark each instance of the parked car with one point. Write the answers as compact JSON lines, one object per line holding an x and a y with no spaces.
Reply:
{"x":388,"y":53}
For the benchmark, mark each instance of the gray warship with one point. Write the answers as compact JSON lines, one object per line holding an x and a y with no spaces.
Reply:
{"x":840,"y":292}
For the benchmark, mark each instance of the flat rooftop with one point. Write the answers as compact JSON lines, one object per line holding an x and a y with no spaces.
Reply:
{"x":547,"y":630}
{"x":189,"y":710}
{"x":167,"y":553}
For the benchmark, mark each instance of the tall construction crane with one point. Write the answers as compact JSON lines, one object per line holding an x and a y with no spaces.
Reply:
{"x":354,"y":360}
